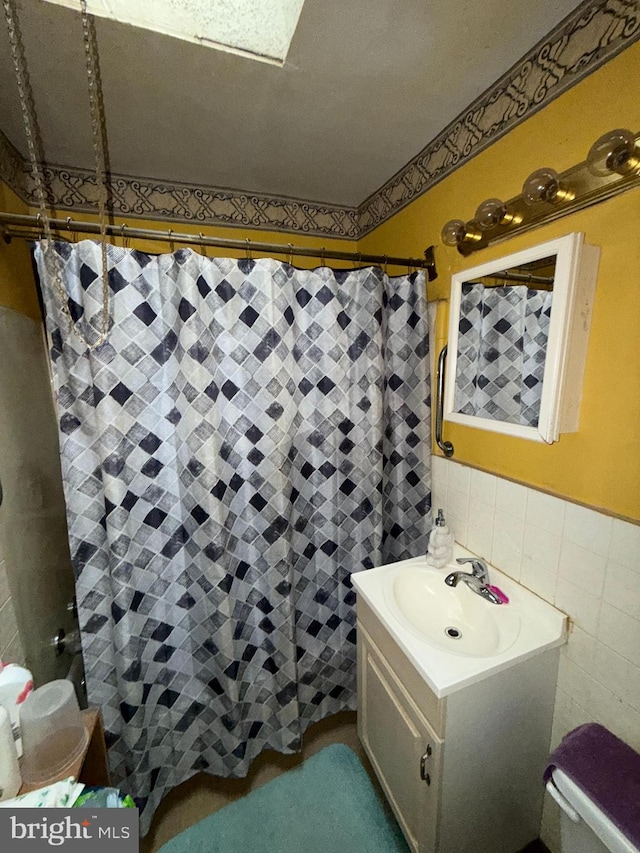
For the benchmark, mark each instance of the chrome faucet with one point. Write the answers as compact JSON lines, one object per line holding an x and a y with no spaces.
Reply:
{"x":477,"y":579}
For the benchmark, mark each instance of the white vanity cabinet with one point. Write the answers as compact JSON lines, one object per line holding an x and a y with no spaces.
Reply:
{"x":462,"y":772}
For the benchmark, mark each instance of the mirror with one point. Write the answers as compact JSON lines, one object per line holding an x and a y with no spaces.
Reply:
{"x":518,"y":334}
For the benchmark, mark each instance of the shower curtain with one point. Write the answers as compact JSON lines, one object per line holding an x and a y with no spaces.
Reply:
{"x":502,"y":342}
{"x":248,"y":435}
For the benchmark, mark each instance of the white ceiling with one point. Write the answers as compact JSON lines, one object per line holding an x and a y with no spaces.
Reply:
{"x":367,"y":84}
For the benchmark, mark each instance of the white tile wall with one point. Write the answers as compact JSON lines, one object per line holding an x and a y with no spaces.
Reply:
{"x":582,"y":561}
{"x":10,"y":646}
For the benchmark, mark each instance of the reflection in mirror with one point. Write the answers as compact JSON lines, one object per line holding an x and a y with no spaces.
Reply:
{"x":503,"y":334}
{"x":516,"y":352}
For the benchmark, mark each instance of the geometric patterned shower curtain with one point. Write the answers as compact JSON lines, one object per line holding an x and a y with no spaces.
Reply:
{"x":502,"y":343}
{"x":248,"y":436}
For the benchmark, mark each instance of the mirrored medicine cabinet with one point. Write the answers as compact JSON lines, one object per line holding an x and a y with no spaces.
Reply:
{"x":518,"y":336}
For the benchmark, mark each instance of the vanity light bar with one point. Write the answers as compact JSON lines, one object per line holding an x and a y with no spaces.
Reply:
{"x":612,"y":167}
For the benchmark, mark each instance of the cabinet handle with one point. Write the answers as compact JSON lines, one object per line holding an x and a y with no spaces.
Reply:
{"x":423,"y":765}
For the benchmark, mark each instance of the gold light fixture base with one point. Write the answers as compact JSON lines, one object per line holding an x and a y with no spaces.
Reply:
{"x":577,"y":188}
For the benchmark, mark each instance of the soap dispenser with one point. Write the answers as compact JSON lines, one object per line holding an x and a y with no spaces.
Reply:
{"x":440,"y":548}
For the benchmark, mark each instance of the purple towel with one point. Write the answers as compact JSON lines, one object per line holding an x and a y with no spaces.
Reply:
{"x":607,"y":770}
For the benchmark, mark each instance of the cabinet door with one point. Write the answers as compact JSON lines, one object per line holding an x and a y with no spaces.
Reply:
{"x":403,"y":748}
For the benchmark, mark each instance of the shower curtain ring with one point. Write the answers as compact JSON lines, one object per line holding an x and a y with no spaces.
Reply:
{"x":324,"y":262}
{"x":202,"y":245}
{"x":386,"y":271}
{"x":359,"y":257}
{"x":248,"y":249}
{"x":290,"y":254}
{"x":172,"y":247}
{"x":125,"y":239}
{"x":74,"y":236}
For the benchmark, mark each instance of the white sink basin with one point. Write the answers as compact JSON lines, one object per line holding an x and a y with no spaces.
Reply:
{"x":454,"y":618}
{"x":422,"y":614}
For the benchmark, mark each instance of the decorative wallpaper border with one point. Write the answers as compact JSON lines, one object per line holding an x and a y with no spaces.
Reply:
{"x":591,"y":35}
{"x":12,"y":167}
{"x":72,"y":189}
{"x":595,"y":32}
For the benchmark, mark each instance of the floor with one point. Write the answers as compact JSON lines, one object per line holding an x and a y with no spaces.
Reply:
{"x":203,"y":795}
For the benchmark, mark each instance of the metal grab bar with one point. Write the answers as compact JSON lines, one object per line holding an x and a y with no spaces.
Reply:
{"x":445,"y":446}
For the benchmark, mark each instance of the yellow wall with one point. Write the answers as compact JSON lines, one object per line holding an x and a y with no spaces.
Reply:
{"x":600,"y":464}
{"x":17,"y":289}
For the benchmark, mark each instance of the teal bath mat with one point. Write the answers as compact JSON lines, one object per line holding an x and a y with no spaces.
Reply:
{"x":328,"y":805}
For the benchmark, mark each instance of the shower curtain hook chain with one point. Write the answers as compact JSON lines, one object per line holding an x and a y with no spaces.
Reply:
{"x":248,"y":249}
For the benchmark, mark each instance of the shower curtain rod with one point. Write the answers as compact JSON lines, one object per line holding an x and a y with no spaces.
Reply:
{"x":14,"y":225}
{"x":525,"y":277}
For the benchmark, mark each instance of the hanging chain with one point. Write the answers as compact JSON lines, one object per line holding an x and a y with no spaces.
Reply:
{"x":97,"y":121}
{"x":29,"y":118}
{"x":28,"y":109}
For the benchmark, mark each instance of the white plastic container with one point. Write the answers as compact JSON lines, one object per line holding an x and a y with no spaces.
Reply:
{"x":53,"y":732}
{"x":10,"y":780}
{"x":16,"y":684}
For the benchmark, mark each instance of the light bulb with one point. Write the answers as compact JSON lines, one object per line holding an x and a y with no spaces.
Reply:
{"x":490,"y":213}
{"x":614,"y":152}
{"x":544,"y":185}
{"x":453,"y":232}
{"x":456,"y":232}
